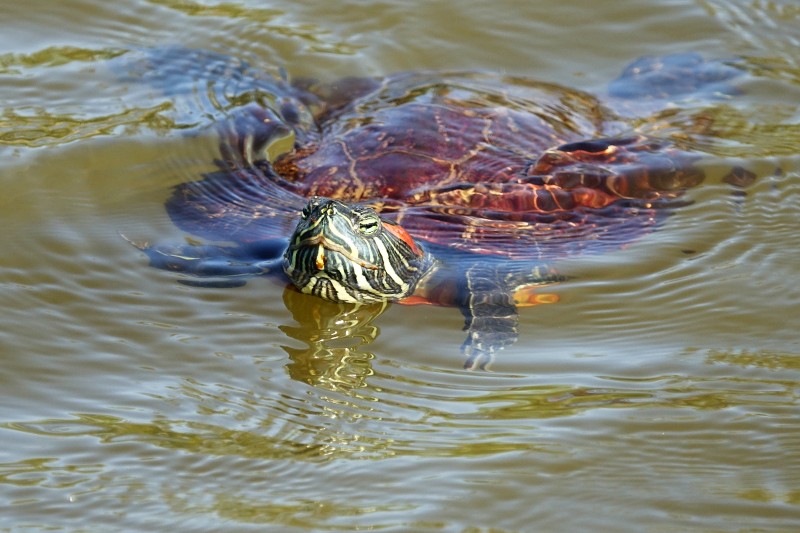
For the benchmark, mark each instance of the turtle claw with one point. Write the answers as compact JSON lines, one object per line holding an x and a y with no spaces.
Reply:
{"x":479,"y":361}
{"x":482,"y":343}
{"x":139,"y":245}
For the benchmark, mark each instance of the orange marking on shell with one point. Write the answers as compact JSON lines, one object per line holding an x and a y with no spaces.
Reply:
{"x":402,"y":234}
{"x":593,"y":198}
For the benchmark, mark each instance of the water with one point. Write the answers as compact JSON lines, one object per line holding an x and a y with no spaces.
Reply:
{"x":659,"y":394}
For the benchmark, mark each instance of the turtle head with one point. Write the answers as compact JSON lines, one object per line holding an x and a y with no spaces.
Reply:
{"x":347,"y":253}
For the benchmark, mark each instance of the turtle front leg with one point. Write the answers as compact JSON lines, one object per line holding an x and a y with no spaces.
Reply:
{"x":491,"y":322}
{"x":491,"y":297}
{"x":214,"y":265}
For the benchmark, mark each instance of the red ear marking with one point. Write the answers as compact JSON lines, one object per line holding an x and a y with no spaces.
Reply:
{"x":403,"y":235}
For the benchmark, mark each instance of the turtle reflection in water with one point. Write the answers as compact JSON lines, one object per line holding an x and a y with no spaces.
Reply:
{"x":458,"y":189}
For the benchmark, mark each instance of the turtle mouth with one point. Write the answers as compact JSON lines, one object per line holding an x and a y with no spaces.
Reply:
{"x":327,"y":245}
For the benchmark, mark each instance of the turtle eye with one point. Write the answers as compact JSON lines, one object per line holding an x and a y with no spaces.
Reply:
{"x":306,"y":212}
{"x":368,"y":223}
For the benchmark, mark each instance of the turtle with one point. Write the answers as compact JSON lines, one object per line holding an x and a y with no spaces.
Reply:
{"x":454,"y":188}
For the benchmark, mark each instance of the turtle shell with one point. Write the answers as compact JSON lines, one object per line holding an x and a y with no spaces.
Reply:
{"x":475,"y":162}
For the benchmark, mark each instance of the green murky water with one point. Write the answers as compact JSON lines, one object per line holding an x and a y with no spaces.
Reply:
{"x":660,"y":394}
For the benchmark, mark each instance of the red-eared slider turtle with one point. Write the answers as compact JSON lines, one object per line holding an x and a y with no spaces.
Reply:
{"x":452,"y":188}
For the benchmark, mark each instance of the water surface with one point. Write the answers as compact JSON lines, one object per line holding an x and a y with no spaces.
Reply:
{"x":659,"y":394}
